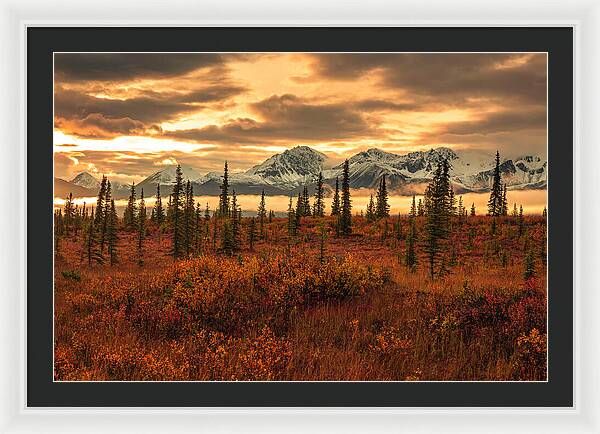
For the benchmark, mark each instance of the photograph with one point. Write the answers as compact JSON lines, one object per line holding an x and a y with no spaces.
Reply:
{"x":300,"y":216}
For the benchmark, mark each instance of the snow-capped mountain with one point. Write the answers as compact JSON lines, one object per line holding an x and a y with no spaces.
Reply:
{"x":469,"y":171}
{"x":294,"y":167}
{"x":91,"y":183}
{"x":167,"y":175}
{"x":85,"y":180}
{"x":288,"y":172}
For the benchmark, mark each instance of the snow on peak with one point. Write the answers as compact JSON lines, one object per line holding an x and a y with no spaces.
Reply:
{"x":86,"y":180}
{"x":292,"y":167}
{"x":166,"y":176}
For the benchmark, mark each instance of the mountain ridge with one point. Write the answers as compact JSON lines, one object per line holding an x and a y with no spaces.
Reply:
{"x":288,"y":172}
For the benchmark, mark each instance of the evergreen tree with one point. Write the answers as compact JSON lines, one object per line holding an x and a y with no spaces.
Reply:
{"x":105,"y":214}
{"x":438,"y":213}
{"x":198,"y":230}
{"x":319,"y":205}
{"x":227,"y":243}
{"x":299,"y":206}
{"x":346,"y":211}
{"x":398,"y":228}
{"x":91,"y":245}
{"x":306,"y":212}
{"x":224,"y":196}
{"x":159,"y":214}
{"x":69,"y":211}
{"x":235,"y":223}
{"x":370,"y":214}
{"x":382,"y":209}
{"x":130,"y":215}
{"x":521,"y":222}
{"x":177,"y":203}
{"x":420,"y":209}
{"x":410,"y":258}
{"x":141,"y":229}
{"x":495,"y":201}
{"x":262,"y":214}
{"x":515,"y":213}
{"x":189,"y":218}
{"x":504,"y":207}
{"x":473,"y":209}
{"x":451,"y":202}
{"x":291,"y":215}
{"x":170,"y":211}
{"x":544,"y":213}
{"x":461,"y":209}
{"x":100,"y":206}
{"x":112,"y":237}
{"x":335,"y":205}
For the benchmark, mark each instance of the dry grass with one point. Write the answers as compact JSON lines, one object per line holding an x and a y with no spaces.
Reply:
{"x":277,"y":313}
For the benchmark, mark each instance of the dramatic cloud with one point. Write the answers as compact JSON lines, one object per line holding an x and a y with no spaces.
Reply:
{"x":445,"y":76}
{"x":128,"y":66}
{"x":285,"y":117}
{"x":130,"y":114}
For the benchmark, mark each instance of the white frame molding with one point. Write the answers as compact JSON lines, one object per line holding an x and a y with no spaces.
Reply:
{"x":583,"y":15}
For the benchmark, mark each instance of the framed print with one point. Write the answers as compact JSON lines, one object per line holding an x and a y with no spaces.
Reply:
{"x":269,"y":220}
{"x":301,"y":219}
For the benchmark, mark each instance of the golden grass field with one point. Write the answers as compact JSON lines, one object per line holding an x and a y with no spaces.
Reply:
{"x":283,"y":312}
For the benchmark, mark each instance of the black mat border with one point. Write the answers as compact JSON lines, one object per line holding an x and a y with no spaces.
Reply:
{"x":43,"y":41}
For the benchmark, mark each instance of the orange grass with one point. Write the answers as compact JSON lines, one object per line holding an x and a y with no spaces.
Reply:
{"x":278,"y":313}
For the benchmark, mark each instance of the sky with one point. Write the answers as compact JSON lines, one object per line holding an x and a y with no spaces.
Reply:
{"x":128,"y":115}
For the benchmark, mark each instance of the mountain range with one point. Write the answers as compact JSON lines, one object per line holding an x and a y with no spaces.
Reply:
{"x":288,"y":172}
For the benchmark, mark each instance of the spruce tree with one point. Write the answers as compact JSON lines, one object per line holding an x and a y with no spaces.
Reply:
{"x":262,"y":214}
{"x":438,"y":212}
{"x":177,"y":198}
{"x":473,"y":209}
{"x":495,"y":201}
{"x":68,"y":216}
{"x":105,"y":214}
{"x":141,"y":220}
{"x":189,"y":218}
{"x":306,"y":212}
{"x":545,"y":213}
{"x":299,"y":206}
{"x":382,"y":209}
{"x":112,"y":237}
{"x":159,"y":213}
{"x":420,"y":209}
{"x":504,"y":207}
{"x":410,"y":258}
{"x":398,"y":228}
{"x":319,"y":205}
{"x":198,"y":230}
{"x":235,"y":223}
{"x":291,"y":223}
{"x":224,"y":196}
{"x":100,"y":204}
{"x":91,"y":245}
{"x":370,"y":214}
{"x":130,"y":215}
{"x":335,"y":205}
{"x":521,"y":222}
{"x":227,"y":243}
{"x":346,"y":211}
{"x":461,"y":209}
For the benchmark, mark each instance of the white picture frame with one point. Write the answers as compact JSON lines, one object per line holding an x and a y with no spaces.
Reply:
{"x":582,"y":15}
